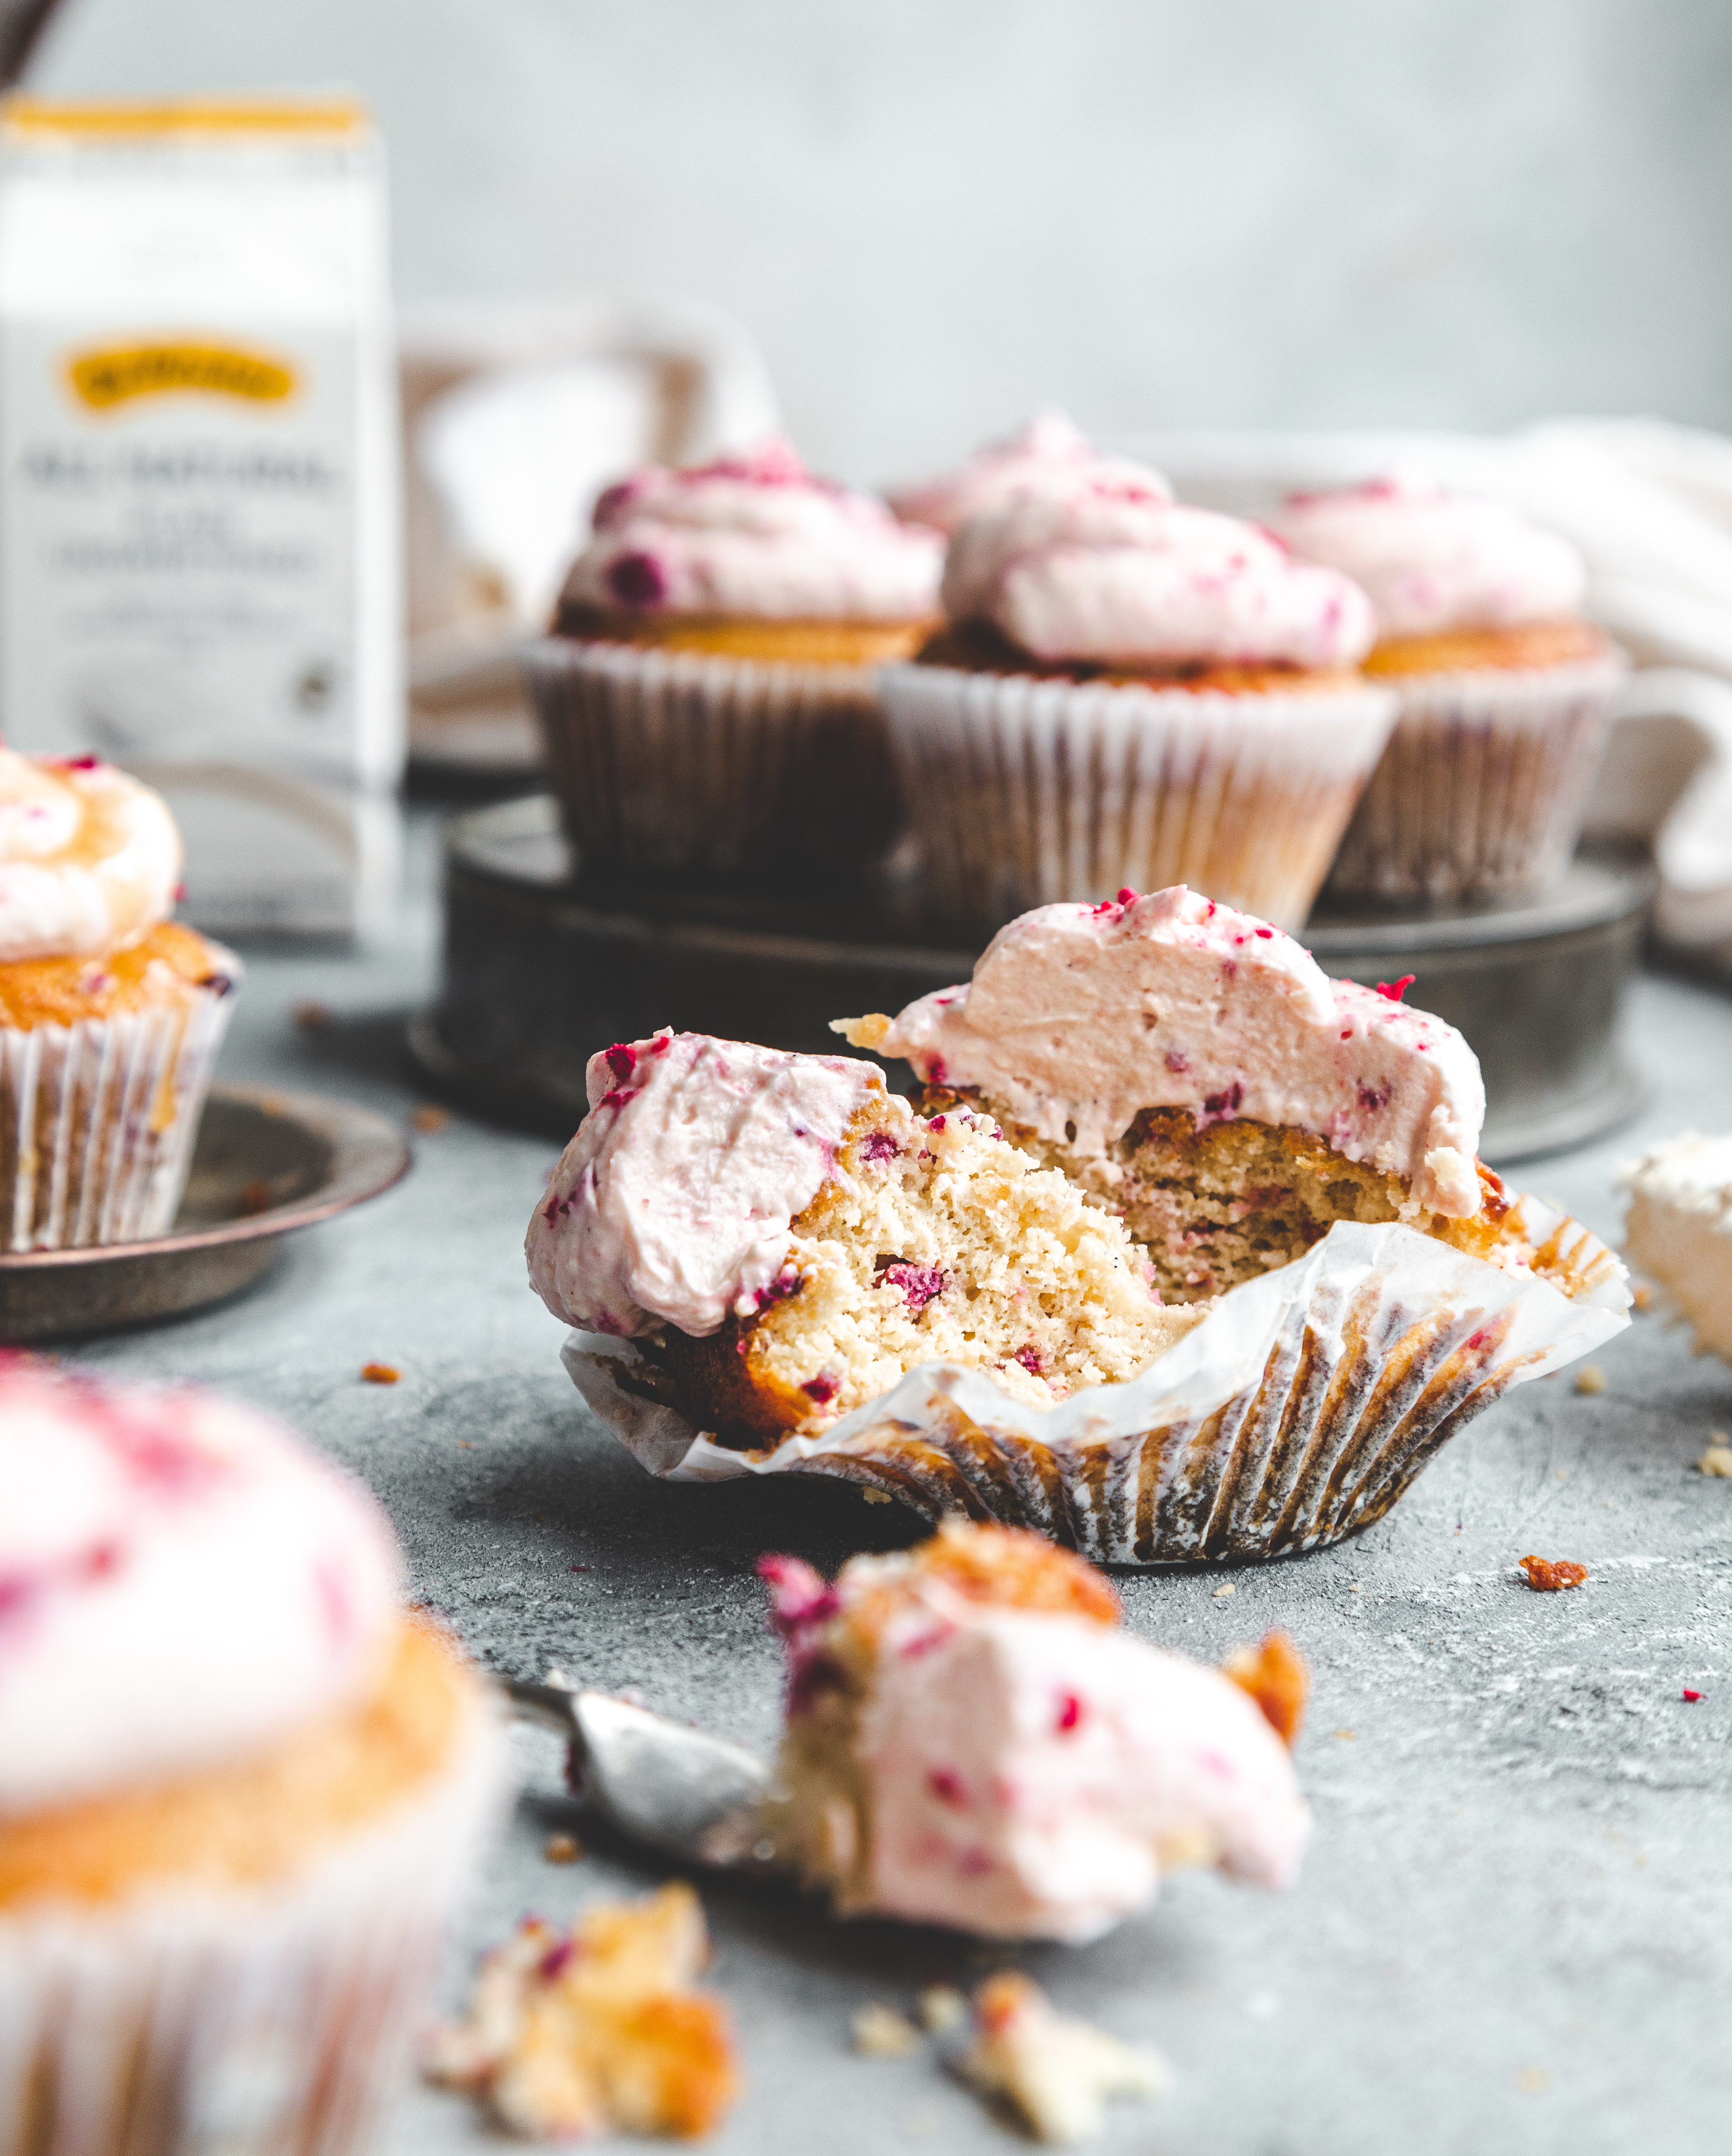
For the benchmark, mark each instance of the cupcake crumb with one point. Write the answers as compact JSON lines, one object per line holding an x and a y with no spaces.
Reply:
{"x":312,"y":1016}
{"x":380,"y":1374}
{"x":876,"y":1497}
{"x":1056,"y":2073}
{"x":1346,"y":1736}
{"x":255,"y":1198}
{"x":562,"y":1849}
{"x":1643,"y":1296}
{"x":1717,"y":1457}
{"x":1590,"y":1379}
{"x":942,"y":2009}
{"x":1552,"y":1576}
{"x":880,"y":2032}
{"x":429,"y":1119}
{"x":1224,"y":1589}
{"x":1276,"y":1676}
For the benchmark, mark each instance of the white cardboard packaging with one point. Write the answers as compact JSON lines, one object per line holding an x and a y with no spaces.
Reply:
{"x":199,"y":546}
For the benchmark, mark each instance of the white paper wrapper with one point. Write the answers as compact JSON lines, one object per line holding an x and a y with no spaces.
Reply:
{"x":275,"y":2023}
{"x":97,"y":1121}
{"x":1295,"y":1414}
{"x":679,"y":763}
{"x":1481,"y":789}
{"x":1027,"y":792}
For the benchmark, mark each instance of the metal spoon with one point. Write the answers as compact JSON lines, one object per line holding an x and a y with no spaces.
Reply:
{"x":678,"y":1791}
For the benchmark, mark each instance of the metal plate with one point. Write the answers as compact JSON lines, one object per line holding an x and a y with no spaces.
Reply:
{"x":539,"y":972}
{"x":267,"y":1163}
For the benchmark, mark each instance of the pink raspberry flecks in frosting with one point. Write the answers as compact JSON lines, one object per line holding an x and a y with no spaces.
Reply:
{"x":753,"y":535}
{"x":1090,"y":570}
{"x":1432,"y":560}
{"x":674,"y":1201}
{"x":182,"y":1583}
{"x":1076,"y":1019}
{"x":1048,"y":447}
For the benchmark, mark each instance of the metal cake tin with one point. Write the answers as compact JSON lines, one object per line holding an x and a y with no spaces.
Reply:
{"x":540,"y":971}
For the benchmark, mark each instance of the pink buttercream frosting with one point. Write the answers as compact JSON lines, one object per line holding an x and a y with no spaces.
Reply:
{"x":674,"y":1203}
{"x":1047,"y":448}
{"x":1077,"y":1017}
{"x":756,"y":535}
{"x":1031,"y":1776}
{"x":1430,"y":560}
{"x":182,"y":1585}
{"x":1099,"y":566}
{"x":90,"y":859}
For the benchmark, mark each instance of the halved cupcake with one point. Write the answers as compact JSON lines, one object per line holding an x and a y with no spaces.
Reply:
{"x":707,"y":698}
{"x":110,"y":1013}
{"x":1506,"y":690}
{"x":1132,"y":691}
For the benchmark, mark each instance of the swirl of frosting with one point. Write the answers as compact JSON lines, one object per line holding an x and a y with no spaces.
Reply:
{"x":754,"y":535}
{"x":1105,"y":568}
{"x":1432,"y":561}
{"x":182,"y":1585}
{"x":90,"y":859}
{"x":1048,"y":447}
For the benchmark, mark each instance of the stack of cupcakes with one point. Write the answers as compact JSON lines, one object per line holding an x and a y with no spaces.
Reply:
{"x":1506,"y":689}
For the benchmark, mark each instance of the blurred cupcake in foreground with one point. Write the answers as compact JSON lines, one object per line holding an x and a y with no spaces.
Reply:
{"x":1049,"y":447}
{"x":1130,"y":691}
{"x":240,"y":1791}
{"x":110,"y":1013}
{"x":1506,"y":689}
{"x":707,"y":699}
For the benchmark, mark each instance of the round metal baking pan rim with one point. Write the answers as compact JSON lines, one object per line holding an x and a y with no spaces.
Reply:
{"x":369,"y":1157}
{"x":1561,"y":1129}
{"x":1633,"y":880}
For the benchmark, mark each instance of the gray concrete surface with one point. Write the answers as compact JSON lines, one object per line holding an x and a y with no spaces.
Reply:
{"x":1514,"y":1927}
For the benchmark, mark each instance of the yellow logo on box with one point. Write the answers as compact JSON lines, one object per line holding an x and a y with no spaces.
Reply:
{"x":117,"y":373}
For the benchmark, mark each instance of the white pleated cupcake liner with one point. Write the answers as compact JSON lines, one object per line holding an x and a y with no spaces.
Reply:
{"x":98,"y":1120}
{"x":1482,"y":790}
{"x":682,"y":763}
{"x":1295,"y":1414}
{"x":1025,"y":792}
{"x":274,"y":2021}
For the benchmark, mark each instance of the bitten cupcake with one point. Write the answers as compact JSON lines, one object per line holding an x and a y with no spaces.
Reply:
{"x":110,"y":1013}
{"x":1131,"y":692}
{"x":707,"y":699}
{"x":1506,"y":689}
{"x":240,"y":1789}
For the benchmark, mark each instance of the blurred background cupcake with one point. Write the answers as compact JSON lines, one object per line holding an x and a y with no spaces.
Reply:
{"x":707,"y":699}
{"x":1506,"y":689}
{"x":110,"y":1013}
{"x":1049,"y":446}
{"x":240,"y":1790}
{"x":1130,"y":691}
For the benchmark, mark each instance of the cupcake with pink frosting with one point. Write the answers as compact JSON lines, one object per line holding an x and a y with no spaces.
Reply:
{"x":1505,"y":689}
{"x":707,"y":698}
{"x":1049,"y":446}
{"x":1130,"y":691}
{"x":241,"y":1789}
{"x":111,"y":1012}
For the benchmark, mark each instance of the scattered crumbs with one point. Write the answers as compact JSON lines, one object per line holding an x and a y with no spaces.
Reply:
{"x":1346,"y":1736}
{"x":1693,"y":1696}
{"x":1056,"y":2073}
{"x":1562,"y":1474}
{"x":1358,"y":1586}
{"x":1643,"y":1296}
{"x":880,"y":2032}
{"x":1590,"y":1379}
{"x":1276,"y":1676}
{"x":1224,"y":1589}
{"x":942,"y":2009}
{"x":562,"y":1849}
{"x":255,"y":1198}
{"x":464,"y":1445}
{"x":1641,"y":1859}
{"x":880,"y":1497}
{"x":1546,"y":1578}
{"x":312,"y":1016}
{"x":380,"y":1374}
{"x":1717,"y":1457}
{"x":428,"y":1118}
{"x":1533,"y":2081}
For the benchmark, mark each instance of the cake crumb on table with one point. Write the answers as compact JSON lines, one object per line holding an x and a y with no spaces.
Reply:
{"x":429,"y":1119}
{"x":380,"y":1374}
{"x":942,"y":2009}
{"x":1224,"y":1589}
{"x":562,"y":1849}
{"x":1277,"y":1677}
{"x":1054,"y":2073}
{"x":1550,"y":1577}
{"x":877,"y":1497}
{"x":1643,"y":1296}
{"x":312,"y":1016}
{"x":1590,"y":1379}
{"x":1346,"y":1736}
{"x":1717,"y":1457}
{"x":880,"y":2032}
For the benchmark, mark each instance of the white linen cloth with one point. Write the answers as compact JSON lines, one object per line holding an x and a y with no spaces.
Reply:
{"x":1650,"y":507}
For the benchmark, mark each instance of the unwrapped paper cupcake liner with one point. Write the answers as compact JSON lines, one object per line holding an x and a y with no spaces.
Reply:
{"x":1293,"y":1414}
{"x":680,"y":763}
{"x":1482,"y":790}
{"x":1026,"y":792}
{"x":271,"y":2022}
{"x":98,"y":1120}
